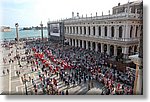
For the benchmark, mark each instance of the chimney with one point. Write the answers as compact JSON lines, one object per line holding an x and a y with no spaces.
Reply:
{"x":118,"y":4}
{"x":72,"y":14}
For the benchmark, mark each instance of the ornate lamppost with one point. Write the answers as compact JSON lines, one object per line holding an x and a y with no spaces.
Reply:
{"x":41,"y":30}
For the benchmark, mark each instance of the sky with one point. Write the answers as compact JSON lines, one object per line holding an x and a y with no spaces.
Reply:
{"x":31,"y":12}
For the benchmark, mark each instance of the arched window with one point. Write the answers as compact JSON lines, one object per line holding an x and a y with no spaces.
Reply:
{"x":80,"y":30}
{"x":93,"y":30}
{"x":85,"y":30}
{"x":112,"y":31}
{"x":120,"y":32}
{"x":136,"y":31}
{"x":70,"y":30}
{"x":99,"y":29}
{"x":89,"y":30}
{"x":77,"y":29}
{"x":105,"y":30}
{"x":131,"y":29}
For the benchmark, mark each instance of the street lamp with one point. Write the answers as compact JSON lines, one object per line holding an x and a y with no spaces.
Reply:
{"x":41,"y":30}
{"x":17,"y":36}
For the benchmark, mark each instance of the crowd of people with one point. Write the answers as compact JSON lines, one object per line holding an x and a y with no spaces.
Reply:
{"x":83,"y":66}
{"x":73,"y":66}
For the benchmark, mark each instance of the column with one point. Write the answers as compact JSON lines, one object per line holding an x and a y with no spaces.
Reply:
{"x":78,"y":29}
{"x":134,"y":31}
{"x":82,"y":30}
{"x":91,"y":30}
{"x":86,"y":44}
{"x":116,"y":32}
{"x":75,"y":30}
{"x":72,"y":42}
{"x":96,"y":31}
{"x":87,"y":33}
{"x":78,"y":42}
{"x":108,"y":31}
{"x":82,"y":43}
{"x":127,"y":35}
{"x":75,"y":42}
{"x":91,"y":45}
{"x":125,"y":51}
{"x":69,"y":41}
{"x":115,"y":50}
{"x":96,"y":46}
{"x":102,"y":31}
{"x":108,"y":49}
{"x":102,"y":48}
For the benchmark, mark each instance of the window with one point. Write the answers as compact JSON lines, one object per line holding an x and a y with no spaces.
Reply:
{"x":99,"y":29}
{"x":120,"y":32}
{"x":105,"y":30}
{"x":89,"y":30}
{"x":136,"y":31}
{"x":112,"y":31}
{"x":77,"y":29}
{"x":93,"y":30}
{"x":131,"y":29}
{"x":85,"y":30}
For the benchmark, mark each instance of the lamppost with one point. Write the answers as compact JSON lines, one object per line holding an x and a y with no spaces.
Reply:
{"x":41,"y":30}
{"x":17,"y":36}
{"x":17,"y":39}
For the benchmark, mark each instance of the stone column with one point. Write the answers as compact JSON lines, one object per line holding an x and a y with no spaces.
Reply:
{"x":82,"y":30}
{"x":102,"y":31}
{"x":116,"y":32}
{"x":115,"y":50}
{"x":79,"y":30}
{"x":82,"y":43}
{"x":75,"y":30}
{"x":91,"y":30}
{"x":72,"y":42}
{"x":108,"y":31}
{"x":78,"y":42}
{"x":125,"y":51}
{"x":102,"y":47}
{"x":96,"y":31}
{"x":96,"y":46}
{"x":87,"y":45}
{"x":69,"y":41}
{"x":108,"y":49}
{"x":91,"y":45}
{"x":87,"y":33}
{"x":75,"y":42}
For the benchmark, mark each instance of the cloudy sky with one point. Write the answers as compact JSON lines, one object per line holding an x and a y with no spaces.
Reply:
{"x":32,"y":12}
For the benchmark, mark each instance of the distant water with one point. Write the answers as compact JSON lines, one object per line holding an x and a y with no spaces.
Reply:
{"x":22,"y":34}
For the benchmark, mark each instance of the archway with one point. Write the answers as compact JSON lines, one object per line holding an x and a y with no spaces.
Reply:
{"x":77,"y":43}
{"x":89,"y":45}
{"x":93,"y":46}
{"x":99,"y":47}
{"x":85,"y":44}
{"x":111,"y":50}
{"x":135,"y":48}
{"x":105,"y":48}
{"x":130,"y":50}
{"x":71,"y":42}
{"x":81,"y":43}
{"x":119,"y":51}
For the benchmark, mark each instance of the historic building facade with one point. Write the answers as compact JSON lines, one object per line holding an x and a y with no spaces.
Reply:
{"x":113,"y":34}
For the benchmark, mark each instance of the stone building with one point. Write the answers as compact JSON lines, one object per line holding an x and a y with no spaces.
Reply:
{"x":115,"y":34}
